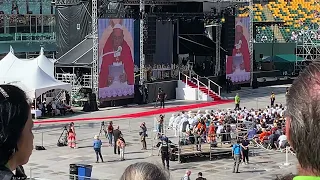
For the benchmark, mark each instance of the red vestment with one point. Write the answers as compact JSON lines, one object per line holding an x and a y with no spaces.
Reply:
{"x":125,"y":57}
{"x":244,"y":50}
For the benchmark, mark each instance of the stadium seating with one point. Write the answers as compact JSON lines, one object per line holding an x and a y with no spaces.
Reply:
{"x":297,"y":15}
{"x":6,"y":7}
{"x":34,"y":7}
{"x":258,"y":17}
{"x":22,"y":7}
{"x":257,"y":12}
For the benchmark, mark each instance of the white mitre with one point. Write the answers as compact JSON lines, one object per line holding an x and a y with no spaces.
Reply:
{"x":239,"y":24}
{"x":118,"y":26}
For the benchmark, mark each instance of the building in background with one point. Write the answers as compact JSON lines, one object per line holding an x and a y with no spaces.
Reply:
{"x":27,"y":25}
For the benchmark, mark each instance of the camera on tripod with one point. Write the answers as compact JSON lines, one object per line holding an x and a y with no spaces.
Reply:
{"x":101,"y":128}
{"x":63,"y":139}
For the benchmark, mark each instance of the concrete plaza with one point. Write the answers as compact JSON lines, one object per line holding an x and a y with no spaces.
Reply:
{"x":53,"y":163}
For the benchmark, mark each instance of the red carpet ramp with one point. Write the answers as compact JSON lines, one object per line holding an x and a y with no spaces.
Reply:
{"x":138,"y":114}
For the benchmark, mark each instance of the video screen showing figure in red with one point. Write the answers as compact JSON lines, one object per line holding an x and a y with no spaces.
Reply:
{"x":238,"y":65}
{"x":116,"y":63}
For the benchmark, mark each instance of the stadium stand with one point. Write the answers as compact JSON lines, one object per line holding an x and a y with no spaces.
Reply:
{"x":30,"y":21}
{"x":297,"y":15}
{"x":8,"y":7}
{"x":23,"y":17}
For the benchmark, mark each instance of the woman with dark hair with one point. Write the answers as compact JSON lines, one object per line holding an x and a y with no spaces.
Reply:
{"x":16,"y":137}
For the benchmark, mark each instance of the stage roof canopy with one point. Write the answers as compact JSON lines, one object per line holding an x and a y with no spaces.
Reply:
{"x":80,"y":55}
{"x":196,"y":44}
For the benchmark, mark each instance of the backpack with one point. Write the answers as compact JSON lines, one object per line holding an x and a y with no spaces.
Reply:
{"x":164,"y":147}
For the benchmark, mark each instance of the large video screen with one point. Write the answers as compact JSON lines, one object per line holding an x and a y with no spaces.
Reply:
{"x":238,"y":65}
{"x":116,"y":63}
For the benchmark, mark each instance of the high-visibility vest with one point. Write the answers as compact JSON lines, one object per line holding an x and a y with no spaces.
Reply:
{"x":237,"y":99}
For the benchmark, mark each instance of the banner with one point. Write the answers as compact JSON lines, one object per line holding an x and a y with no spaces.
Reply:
{"x":238,"y":65}
{"x":116,"y":63}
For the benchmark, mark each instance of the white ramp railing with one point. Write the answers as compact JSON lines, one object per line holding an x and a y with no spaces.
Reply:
{"x":211,"y":85}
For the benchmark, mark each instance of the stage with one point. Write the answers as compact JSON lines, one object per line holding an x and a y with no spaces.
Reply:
{"x":190,"y":152}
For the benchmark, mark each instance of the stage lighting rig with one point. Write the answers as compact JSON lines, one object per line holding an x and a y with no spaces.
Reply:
{"x":187,"y":16}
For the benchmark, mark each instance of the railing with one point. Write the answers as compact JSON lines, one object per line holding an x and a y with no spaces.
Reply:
{"x":210,"y":84}
{"x":201,"y":83}
{"x":214,"y":85}
{"x":28,"y":37}
{"x":74,"y":81}
{"x":198,"y":82}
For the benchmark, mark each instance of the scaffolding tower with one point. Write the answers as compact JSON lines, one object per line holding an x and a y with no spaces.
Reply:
{"x":95,"y":53}
{"x":307,"y":47}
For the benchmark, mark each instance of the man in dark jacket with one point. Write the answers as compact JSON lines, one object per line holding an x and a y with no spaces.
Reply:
{"x":161,"y":97}
{"x":116,"y":134}
{"x":200,"y":176}
{"x":164,"y":150}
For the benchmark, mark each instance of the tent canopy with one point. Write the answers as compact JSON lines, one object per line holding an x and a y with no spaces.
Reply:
{"x":285,"y":63}
{"x":34,"y":81}
{"x":7,"y":62}
{"x":30,"y":75}
{"x":287,"y":58}
{"x":10,"y":61}
{"x":44,"y":63}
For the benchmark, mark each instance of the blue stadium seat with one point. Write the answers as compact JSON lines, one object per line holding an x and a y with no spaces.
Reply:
{"x":6,"y":7}
{"x":22,"y":7}
{"x":46,"y":7}
{"x":34,"y":7}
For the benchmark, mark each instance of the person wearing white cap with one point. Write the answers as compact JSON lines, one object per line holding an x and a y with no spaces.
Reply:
{"x":97,"y":148}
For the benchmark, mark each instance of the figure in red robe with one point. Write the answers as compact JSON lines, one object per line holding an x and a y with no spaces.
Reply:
{"x":241,"y":48}
{"x":116,"y":50}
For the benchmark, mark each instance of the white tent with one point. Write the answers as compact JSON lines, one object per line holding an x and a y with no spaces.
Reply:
{"x":7,"y":62}
{"x":34,"y":81}
{"x":10,"y":60}
{"x":44,"y":63}
{"x":29,"y":75}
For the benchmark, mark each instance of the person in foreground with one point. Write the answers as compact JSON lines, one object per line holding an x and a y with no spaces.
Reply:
{"x":97,"y":143}
{"x":303,"y":122}
{"x":16,"y":137}
{"x":144,"y":171}
{"x":236,"y":153}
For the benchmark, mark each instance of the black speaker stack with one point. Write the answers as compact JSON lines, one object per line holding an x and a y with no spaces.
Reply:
{"x":93,"y":102}
{"x":228,"y":32}
{"x":91,"y":105}
{"x":255,"y":83}
{"x":150,"y":35}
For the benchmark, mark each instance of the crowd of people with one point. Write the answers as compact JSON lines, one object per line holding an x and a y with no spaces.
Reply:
{"x":53,"y":108}
{"x":301,"y":129}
